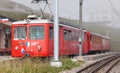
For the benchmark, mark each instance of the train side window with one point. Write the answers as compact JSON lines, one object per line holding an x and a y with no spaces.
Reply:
{"x":69,"y":35}
{"x":90,"y":37}
{"x":73,"y":35}
{"x":77,"y":36}
{"x":51,"y":32}
{"x":93,"y":38}
{"x":99,"y":40}
{"x":96,"y":39}
{"x":65,"y":34}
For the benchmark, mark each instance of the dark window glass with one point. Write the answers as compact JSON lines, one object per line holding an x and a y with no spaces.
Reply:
{"x":73,"y":35}
{"x":51,"y":32}
{"x":77,"y":36}
{"x":69,"y":35}
{"x":20,"y":33}
{"x":65,"y":34}
{"x":90,"y":37}
{"x":36,"y":32}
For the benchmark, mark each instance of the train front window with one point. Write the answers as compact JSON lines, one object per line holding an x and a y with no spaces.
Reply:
{"x":36,"y":32}
{"x":20,"y":33}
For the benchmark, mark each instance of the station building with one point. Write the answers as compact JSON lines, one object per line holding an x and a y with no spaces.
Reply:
{"x":5,"y":34}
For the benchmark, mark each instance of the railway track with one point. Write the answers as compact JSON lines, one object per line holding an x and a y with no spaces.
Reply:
{"x":116,"y":68}
{"x":102,"y":66}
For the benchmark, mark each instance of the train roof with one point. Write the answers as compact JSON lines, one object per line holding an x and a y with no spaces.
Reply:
{"x":44,"y":21}
{"x":32,"y":21}
{"x":100,"y":35}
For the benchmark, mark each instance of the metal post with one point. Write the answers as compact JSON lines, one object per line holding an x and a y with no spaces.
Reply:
{"x":107,"y":33}
{"x":56,"y":62}
{"x":80,"y":26}
{"x":56,"y":31}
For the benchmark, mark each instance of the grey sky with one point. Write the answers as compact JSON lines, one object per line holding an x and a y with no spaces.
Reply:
{"x":68,"y":8}
{"x":93,"y":10}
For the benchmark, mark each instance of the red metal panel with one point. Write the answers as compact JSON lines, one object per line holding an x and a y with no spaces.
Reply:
{"x":34,"y":44}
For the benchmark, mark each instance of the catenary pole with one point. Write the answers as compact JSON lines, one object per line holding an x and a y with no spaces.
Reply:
{"x":56,"y":31}
{"x":80,"y":26}
{"x":56,"y":62}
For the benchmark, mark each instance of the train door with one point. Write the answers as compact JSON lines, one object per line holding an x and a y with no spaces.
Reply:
{"x":86,"y":43}
{"x":89,"y":37}
{"x":51,"y":40}
{"x":61,"y":48}
{"x":66,"y":47}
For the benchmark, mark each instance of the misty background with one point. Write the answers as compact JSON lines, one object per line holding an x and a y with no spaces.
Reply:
{"x":93,"y":10}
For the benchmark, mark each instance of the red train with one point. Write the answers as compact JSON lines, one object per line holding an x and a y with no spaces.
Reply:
{"x":34,"y":37}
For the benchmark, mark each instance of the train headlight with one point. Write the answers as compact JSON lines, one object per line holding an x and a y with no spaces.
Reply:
{"x":16,"y":48}
{"x":39,"y":48}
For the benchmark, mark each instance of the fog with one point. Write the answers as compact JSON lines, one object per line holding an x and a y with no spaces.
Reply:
{"x":93,"y":10}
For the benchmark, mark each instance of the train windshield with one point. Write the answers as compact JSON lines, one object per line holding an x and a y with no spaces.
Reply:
{"x":20,"y":33}
{"x":36,"y":32}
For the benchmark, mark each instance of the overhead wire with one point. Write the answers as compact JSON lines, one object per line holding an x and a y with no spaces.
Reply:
{"x":61,"y":9}
{"x":65,"y":11}
{"x":42,"y":13}
{"x":118,"y":15}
